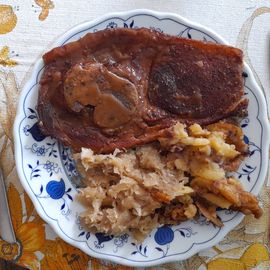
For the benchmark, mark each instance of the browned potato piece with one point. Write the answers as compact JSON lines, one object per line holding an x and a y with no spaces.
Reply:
{"x":217,"y":200}
{"x":229,"y":190}
{"x":234,"y":134}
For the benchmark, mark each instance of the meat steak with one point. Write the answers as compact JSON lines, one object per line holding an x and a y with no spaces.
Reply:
{"x":119,"y":88}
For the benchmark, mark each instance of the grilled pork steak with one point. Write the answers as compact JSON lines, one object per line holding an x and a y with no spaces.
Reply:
{"x":118,"y":88}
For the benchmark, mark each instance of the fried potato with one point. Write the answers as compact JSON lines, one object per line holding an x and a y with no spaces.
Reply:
{"x":234,"y":134}
{"x":217,"y":200}
{"x":222,"y":148}
{"x":206,"y":169}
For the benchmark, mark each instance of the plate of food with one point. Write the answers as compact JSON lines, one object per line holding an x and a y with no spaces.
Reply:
{"x":142,"y":138}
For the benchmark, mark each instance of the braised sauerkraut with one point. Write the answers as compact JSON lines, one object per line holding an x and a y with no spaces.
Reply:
{"x":165,"y":182}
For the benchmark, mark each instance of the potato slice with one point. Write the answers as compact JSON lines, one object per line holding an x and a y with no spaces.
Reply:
{"x":217,"y":200}
{"x":208,"y":170}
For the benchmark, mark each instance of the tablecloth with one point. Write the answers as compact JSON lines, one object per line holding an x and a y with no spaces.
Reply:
{"x":27,"y":28}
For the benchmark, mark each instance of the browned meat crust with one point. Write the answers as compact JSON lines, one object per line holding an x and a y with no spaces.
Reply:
{"x":122,"y":87}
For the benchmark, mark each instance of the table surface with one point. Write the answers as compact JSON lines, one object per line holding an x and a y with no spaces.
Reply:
{"x":28,"y":27}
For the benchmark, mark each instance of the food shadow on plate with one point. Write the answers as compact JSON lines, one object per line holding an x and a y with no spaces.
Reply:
{"x":70,"y":167}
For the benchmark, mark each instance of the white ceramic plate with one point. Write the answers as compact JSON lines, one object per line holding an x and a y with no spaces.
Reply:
{"x":47,"y":171}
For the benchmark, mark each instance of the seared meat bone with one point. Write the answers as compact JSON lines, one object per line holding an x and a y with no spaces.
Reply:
{"x":113,"y":97}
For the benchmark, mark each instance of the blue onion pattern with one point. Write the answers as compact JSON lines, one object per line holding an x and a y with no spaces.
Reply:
{"x":164,"y":235}
{"x":112,"y":25}
{"x":41,"y":151}
{"x":49,"y":166}
{"x":55,"y":189}
{"x":140,"y":249}
{"x":36,"y":133}
{"x":129,"y":25}
{"x":101,"y":238}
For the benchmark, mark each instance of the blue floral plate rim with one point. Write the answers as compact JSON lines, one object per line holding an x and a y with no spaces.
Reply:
{"x":195,"y":247}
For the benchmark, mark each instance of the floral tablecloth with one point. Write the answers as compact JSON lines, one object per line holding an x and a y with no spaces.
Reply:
{"x":27,"y":28}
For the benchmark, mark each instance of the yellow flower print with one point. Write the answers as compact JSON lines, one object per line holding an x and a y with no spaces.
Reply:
{"x":8,"y":19}
{"x":101,"y":265}
{"x":32,"y":238}
{"x":256,"y":254}
{"x":45,"y":5}
{"x":60,"y":255}
{"x":30,"y":235}
{"x":4,"y":58}
{"x":9,"y":251}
